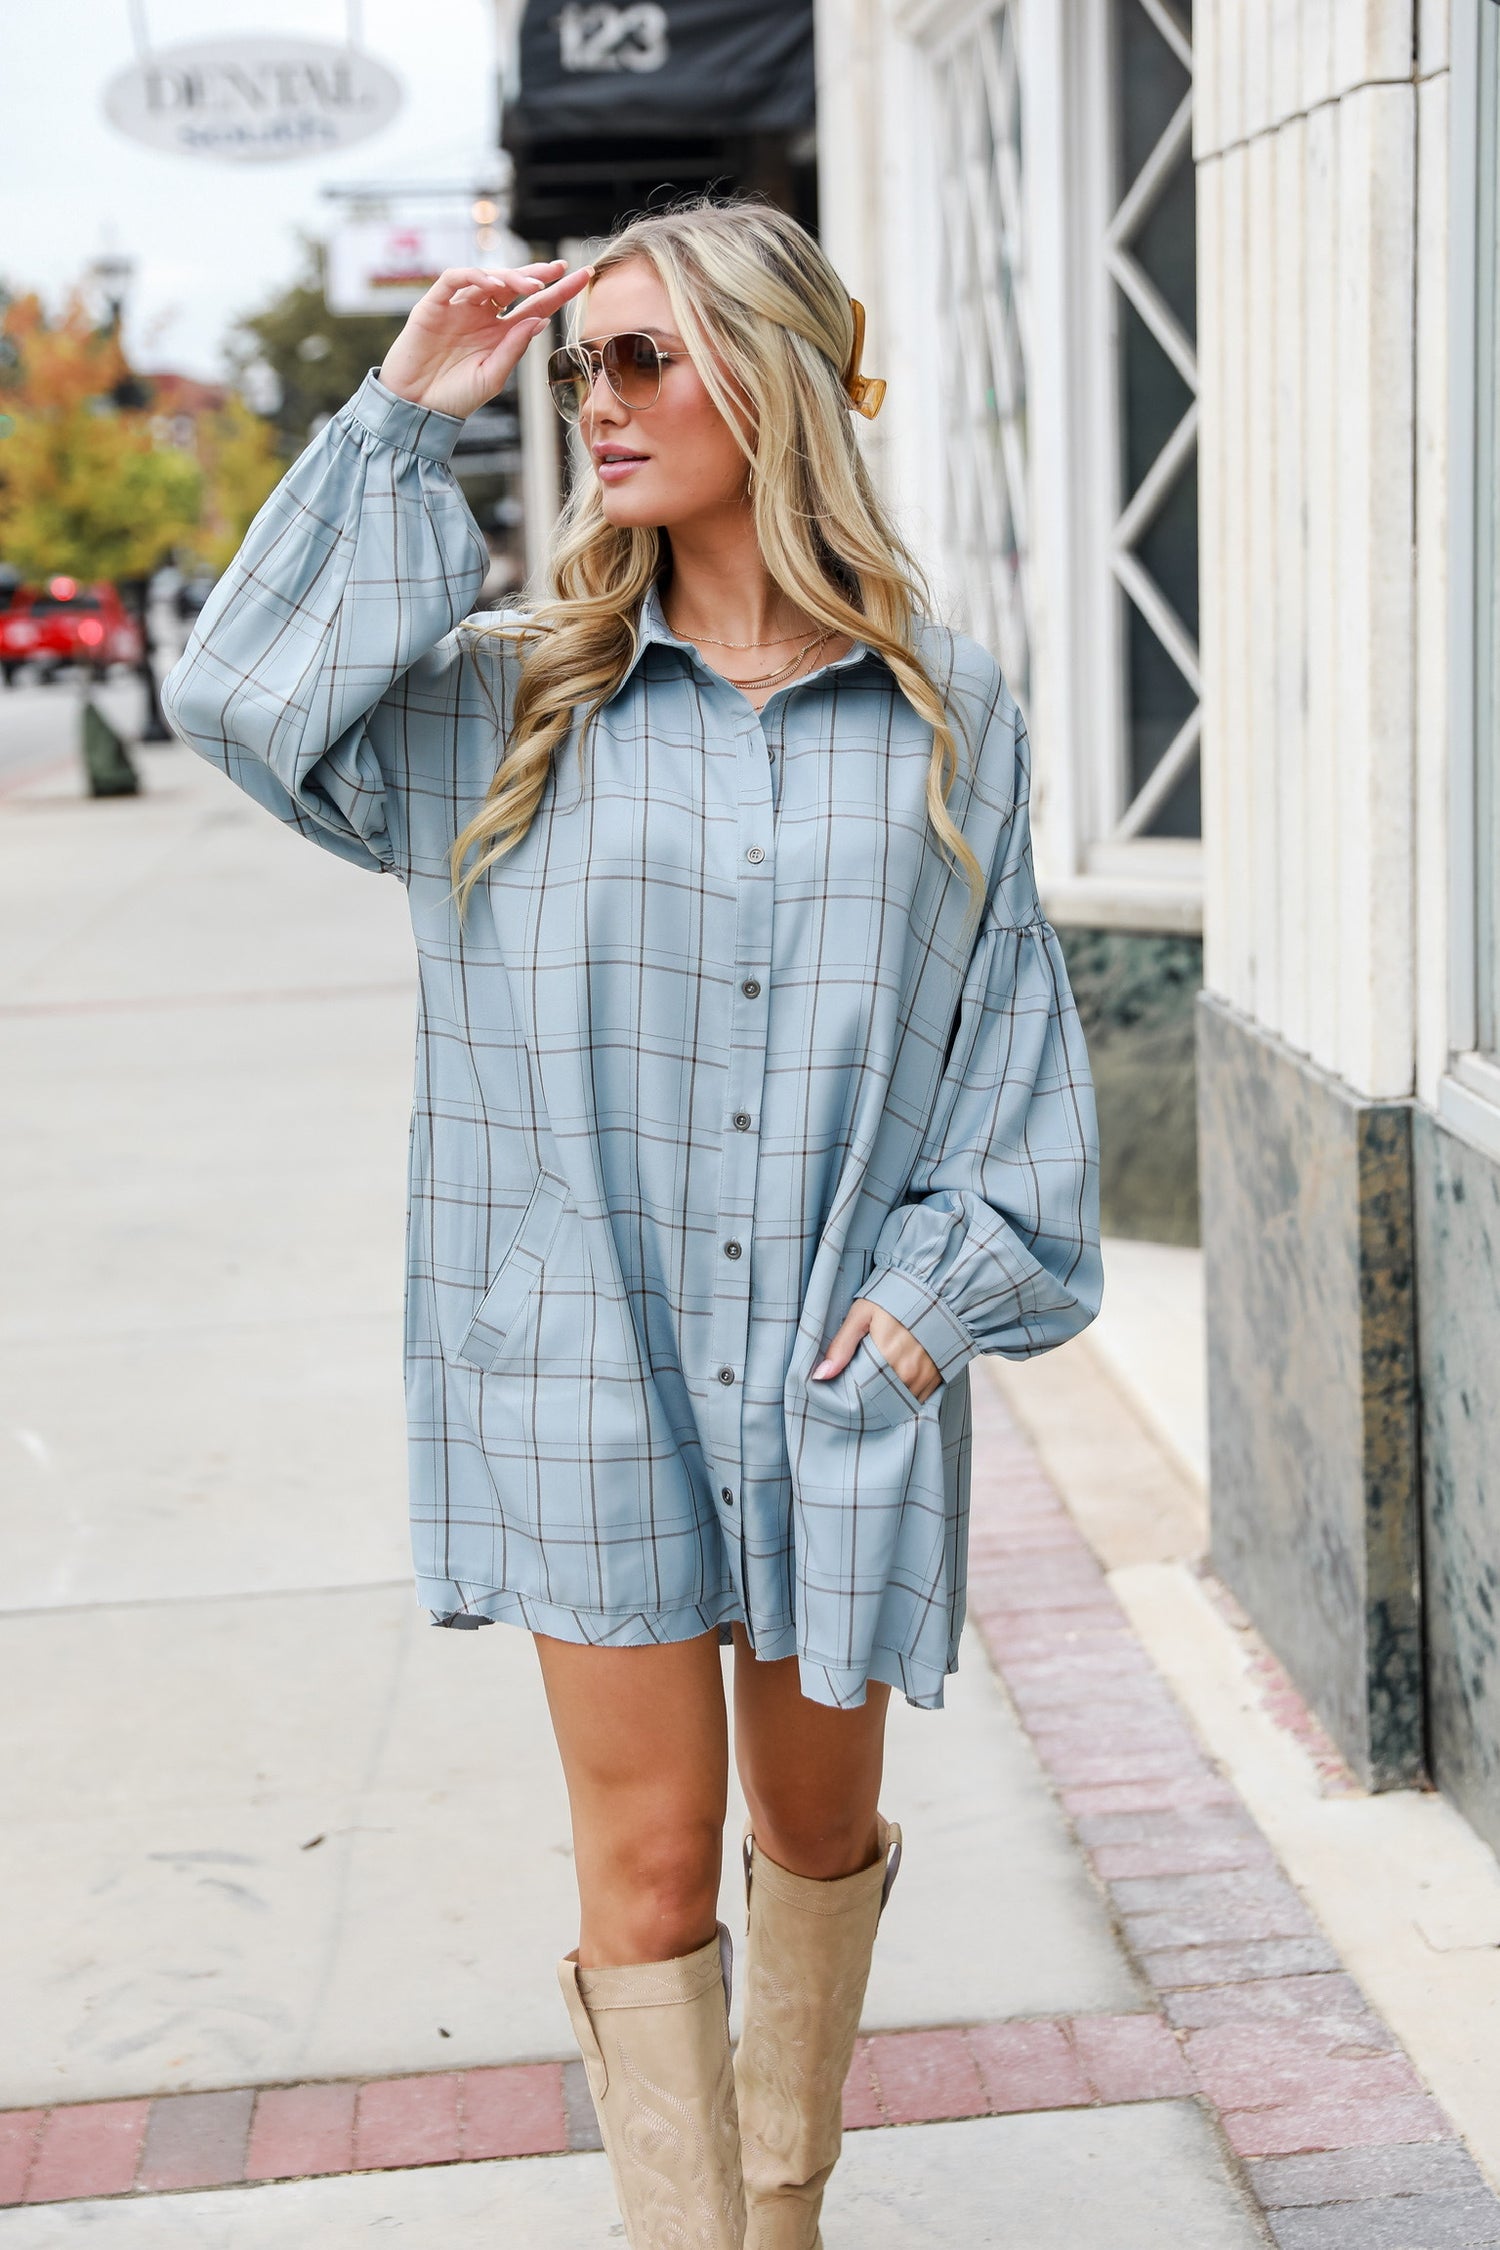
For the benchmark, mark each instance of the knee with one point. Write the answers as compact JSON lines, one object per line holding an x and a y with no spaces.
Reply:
{"x":674,"y":1864}
{"x":662,"y":1889}
{"x":820,"y":1841}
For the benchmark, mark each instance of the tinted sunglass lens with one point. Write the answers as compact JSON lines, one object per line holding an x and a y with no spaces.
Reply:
{"x":568,"y":382}
{"x":634,"y":369}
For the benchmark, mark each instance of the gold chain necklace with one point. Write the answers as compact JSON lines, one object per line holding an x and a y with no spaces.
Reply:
{"x":784,"y":671}
{"x":715,"y":640}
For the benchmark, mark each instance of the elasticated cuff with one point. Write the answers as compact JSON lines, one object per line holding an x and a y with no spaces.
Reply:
{"x":941,"y":1335}
{"x":398,"y":423}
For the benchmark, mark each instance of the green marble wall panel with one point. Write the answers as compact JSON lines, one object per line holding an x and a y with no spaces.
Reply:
{"x":1458,"y":1298}
{"x":1308,"y":1271}
{"x":1136,"y":992}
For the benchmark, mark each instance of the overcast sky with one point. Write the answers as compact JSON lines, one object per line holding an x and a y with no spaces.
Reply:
{"x":212,"y":238}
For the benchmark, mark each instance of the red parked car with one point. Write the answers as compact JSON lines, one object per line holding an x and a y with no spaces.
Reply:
{"x":66,"y":623}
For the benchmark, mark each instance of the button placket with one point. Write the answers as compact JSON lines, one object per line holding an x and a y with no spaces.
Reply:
{"x":754,"y":893}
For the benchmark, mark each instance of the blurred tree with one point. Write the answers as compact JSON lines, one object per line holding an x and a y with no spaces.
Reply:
{"x":241,"y":463}
{"x":318,"y":358}
{"x":84,"y":488}
{"x":89,"y":495}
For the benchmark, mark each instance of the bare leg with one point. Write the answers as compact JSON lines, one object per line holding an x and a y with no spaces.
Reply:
{"x":811,"y":1775}
{"x":645,"y":1751}
{"x":644,"y":1744}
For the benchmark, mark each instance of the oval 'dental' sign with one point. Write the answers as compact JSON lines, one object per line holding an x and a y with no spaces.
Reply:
{"x":253,"y":100}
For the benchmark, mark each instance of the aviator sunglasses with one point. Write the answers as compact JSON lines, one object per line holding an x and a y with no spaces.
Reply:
{"x":632,"y":365}
{"x":633,"y":361}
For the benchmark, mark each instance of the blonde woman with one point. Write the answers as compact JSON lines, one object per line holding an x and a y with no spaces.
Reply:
{"x":751,"y":1105}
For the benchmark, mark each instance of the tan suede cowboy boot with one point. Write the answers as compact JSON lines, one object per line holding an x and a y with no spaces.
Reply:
{"x":655,"y":2044}
{"x":807,"y":1966}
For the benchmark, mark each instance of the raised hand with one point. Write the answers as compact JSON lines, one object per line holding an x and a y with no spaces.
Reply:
{"x":460,"y":344}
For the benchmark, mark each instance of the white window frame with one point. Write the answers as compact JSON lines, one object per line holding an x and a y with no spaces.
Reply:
{"x":1469,"y":1091}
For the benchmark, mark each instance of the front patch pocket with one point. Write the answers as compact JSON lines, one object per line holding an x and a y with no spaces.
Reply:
{"x":497,"y":1321}
{"x":867,"y":1394}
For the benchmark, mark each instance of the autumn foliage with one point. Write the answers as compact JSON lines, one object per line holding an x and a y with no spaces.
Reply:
{"x":93,"y":483}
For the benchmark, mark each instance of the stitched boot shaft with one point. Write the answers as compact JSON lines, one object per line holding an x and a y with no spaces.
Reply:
{"x":807,"y":1965}
{"x":655,"y":2044}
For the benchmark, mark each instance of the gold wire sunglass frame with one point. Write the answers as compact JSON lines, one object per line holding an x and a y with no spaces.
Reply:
{"x":573,"y":370}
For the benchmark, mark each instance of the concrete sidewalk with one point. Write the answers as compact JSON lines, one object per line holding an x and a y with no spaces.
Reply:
{"x":284,"y":1870}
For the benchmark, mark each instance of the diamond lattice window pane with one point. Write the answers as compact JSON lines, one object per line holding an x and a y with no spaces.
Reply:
{"x":1153,"y":399}
{"x":1151,"y":252}
{"x":1168,"y":548}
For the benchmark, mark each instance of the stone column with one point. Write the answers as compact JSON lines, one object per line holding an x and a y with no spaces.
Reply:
{"x":1308,"y":198}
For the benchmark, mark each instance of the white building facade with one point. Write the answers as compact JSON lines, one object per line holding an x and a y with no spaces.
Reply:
{"x":1190,"y":320}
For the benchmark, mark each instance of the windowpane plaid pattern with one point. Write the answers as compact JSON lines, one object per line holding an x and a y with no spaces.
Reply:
{"x":713,"y":1056}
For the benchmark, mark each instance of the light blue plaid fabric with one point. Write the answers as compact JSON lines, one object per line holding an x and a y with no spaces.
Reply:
{"x":711,"y":1058}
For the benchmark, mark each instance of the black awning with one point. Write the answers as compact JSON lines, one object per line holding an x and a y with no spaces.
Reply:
{"x":649,"y":68}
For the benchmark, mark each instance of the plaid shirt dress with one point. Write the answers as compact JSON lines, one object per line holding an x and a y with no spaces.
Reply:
{"x":711,"y":1057}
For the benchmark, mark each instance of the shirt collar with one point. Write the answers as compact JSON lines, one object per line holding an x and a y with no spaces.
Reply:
{"x":652,"y":628}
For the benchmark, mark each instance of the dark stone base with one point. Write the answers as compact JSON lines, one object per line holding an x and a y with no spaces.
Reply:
{"x":1458,"y":1295}
{"x":1135,"y":995}
{"x":1308,"y":1269}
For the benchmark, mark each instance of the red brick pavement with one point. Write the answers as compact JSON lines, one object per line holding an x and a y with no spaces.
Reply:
{"x":1254,"y":2016}
{"x":448,"y":2117}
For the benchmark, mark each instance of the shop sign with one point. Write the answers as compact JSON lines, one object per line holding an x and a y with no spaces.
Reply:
{"x":253,"y":100}
{"x":385,"y":265}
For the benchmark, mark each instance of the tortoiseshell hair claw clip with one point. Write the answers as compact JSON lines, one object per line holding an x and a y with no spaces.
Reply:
{"x":865,"y":392}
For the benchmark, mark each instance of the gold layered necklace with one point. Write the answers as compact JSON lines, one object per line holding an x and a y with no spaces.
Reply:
{"x":765,"y":679}
{"x":784,"y":671}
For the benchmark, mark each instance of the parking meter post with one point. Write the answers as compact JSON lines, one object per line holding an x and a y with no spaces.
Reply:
{"x":135,"y":592}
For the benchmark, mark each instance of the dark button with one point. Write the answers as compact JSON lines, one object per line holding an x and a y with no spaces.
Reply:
{"x":742,"y":1120}
{"x":731,"y":1249}
{"x":726,"y":1374}
{"x":756,"y":852}
{"x":726,"y":1494}
{"x":771,"y":751}
{"x":751,"y":988}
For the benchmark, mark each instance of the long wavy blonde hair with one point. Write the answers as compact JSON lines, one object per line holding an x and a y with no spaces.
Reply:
{"x":766,"y":319}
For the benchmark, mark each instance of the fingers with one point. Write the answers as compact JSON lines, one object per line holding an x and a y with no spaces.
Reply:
{"x":523,"y":323}
{"x":476,"y":284}
{"x":547,"y":300}
{"x":899,"y":1348}
{"x":894,"y":1344}
{"x":855,"y":1324}
{"x":515,"y":333}
{"x":525,"y":288}
{"x":519,"y":280}
{"x":510,"y":348}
